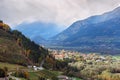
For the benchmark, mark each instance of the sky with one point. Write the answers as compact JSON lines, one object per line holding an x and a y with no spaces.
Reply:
{"x":60,"y":12}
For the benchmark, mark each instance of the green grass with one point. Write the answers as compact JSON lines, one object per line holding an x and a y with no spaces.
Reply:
{"x":11,"y":67}
{"x":47,"y":74}
{"x":22,"y":79}
{"x":56,"y":73}
{"x":33,"y":75}
{"x":43,"y":73}
{"x":77,"y":79}
{"x":116,"y":57}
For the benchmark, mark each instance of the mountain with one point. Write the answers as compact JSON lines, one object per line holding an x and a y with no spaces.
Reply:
{"x":39,"y":30}
{"x":39,"y":40}
{"x":100,"y":33}
{"x":16,"y":48}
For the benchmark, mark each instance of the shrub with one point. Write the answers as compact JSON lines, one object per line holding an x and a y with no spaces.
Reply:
{"x":22,"y":74}
{"x":2,"y":72}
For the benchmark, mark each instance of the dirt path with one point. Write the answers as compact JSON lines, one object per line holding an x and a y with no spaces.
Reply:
{"x":10,"y":76}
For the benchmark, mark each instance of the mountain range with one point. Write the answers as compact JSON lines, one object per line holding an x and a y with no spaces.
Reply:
{"x":100,"y":33}
{"x":41,"y":31}
{"x":78,"y":26}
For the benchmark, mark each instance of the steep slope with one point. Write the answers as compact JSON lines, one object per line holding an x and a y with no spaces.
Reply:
{"x":16,"y":48}
{"x":9,"y":50}
{"x":89,"y":22}
{"x":99,"y":33}
{"x":7,"y":47}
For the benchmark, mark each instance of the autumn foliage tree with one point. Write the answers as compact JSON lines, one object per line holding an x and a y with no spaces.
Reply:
{"x":22,"y":74}
{"x":4,"y":26}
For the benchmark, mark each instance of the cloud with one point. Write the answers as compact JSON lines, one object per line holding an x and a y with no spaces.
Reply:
{"x":60,"y":12}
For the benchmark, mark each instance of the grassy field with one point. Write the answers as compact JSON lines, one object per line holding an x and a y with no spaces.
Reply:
{"x":44,"y":73}
{"x":116,"y":57}
{"x":76,"y":79}
{"x":11,"y":67}
{"x":33,"y":75}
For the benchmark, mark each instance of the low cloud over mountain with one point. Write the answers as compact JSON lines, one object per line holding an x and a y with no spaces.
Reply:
{"x":61,"y":12}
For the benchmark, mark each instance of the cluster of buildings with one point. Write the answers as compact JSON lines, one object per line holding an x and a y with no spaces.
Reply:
{"x":62,"y":54}
{"x":77,"y":56}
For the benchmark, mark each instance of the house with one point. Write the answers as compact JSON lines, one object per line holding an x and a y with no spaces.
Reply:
{"x":37,"y":68}
{"x":59,"y":56}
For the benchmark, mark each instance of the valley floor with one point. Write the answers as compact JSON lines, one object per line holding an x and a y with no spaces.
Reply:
{"x":85,"y":66}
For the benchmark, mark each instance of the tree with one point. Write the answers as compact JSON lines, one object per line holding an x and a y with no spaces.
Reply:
{"x":2,"y":72}
{"x":26,"y":74}
{"x":31,"y":49}
{"x":6,"y":27}
{"x":6,"y":70}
